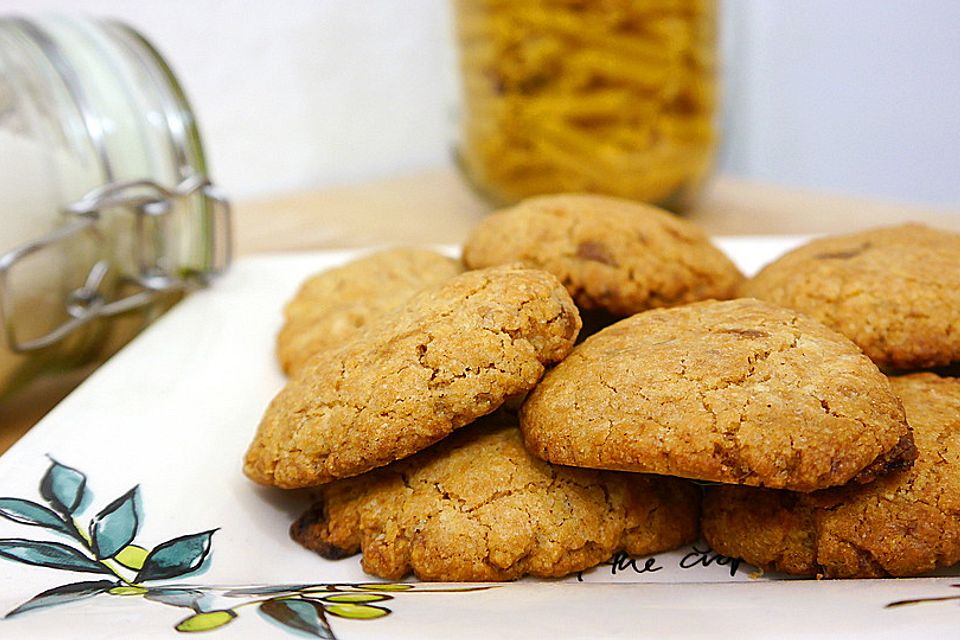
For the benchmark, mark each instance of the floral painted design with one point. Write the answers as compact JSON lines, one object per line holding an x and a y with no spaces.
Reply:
{"x":106,"y":546}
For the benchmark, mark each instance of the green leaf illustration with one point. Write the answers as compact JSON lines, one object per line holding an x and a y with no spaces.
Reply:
{"x":33,"y":514}
{"x":357,"y":611}
{"x":48,"y":554}
{"x":63,"y":487}
{"x":115,"y":526}
{"x":206,"y":621}
{"x":357,"y":597}
{"x":132,"y":557}
{"x":176,"y":557}
{"x":62,"y":595}
{"x":124,"y":590}
{"x":300,"y":615}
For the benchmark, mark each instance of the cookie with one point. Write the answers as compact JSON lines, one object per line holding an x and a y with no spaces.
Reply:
{"x":620,"y":256}
{"x":739,"y":391}
{"x":904,"y":524}
{"x":331,"y":306}
{"x":477,"y":506}
{"x":450,"y":354}
{"x":894,"y":291}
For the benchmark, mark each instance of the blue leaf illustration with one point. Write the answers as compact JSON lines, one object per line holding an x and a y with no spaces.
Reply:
{"x":33,"y":514}
{"x":48,"y":554}
{"x":194,"y":599}
{"x":63,"y":487}
{"x":116,"y":526}
{"x":176,"y":557}
{"x":63,"y":594}
{"x":299,"y":615}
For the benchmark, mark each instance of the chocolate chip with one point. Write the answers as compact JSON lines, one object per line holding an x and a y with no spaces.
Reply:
{"x":595,"y":252}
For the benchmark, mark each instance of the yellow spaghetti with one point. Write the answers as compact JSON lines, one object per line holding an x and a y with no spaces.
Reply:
{"x":606,"y":96}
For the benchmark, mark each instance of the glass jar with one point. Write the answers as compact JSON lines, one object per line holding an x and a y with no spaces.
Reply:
{"x":605,"y":96}
{"x":106,"y":209}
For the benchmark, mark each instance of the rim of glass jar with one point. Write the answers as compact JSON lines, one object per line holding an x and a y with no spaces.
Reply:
{"x":122,"y":91}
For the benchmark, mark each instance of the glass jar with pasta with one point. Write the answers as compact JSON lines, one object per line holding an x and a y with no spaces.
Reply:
{"x":604,"y":96}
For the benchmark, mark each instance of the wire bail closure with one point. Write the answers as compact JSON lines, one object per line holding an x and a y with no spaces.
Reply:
{"x":155,"y":275}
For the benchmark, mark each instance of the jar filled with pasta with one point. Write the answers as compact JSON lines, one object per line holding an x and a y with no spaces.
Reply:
{"x":604,"y":96}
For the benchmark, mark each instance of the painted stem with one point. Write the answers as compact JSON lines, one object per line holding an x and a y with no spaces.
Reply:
{"x":901,"y":603}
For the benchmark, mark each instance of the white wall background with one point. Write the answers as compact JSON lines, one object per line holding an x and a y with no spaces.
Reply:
{"x":858,"y":96}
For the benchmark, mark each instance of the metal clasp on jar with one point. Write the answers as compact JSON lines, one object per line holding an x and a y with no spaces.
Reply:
{"x":155,"y":272}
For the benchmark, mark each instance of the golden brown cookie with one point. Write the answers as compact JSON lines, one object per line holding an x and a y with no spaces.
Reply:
{"x":903,"y":524}
{"x":330,"y":306}
{"x":611,"y":254}
{"x":739,"y":391}
{"x":477,"y":506}
{"x":894,"y":291}
{"x":450,"y":354}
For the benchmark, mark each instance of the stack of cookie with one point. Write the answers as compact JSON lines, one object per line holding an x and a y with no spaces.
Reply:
{"x":404,"y":373}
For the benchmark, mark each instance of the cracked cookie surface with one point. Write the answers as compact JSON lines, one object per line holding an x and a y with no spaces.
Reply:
{"x":903,"y":524}
{"x":895,"y":291}
{"x":739,"y":391}
{"x":450,"y":354}
{"x":331,"y":306}
{"x":611,"y":254}
{"x":479,"y":507}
